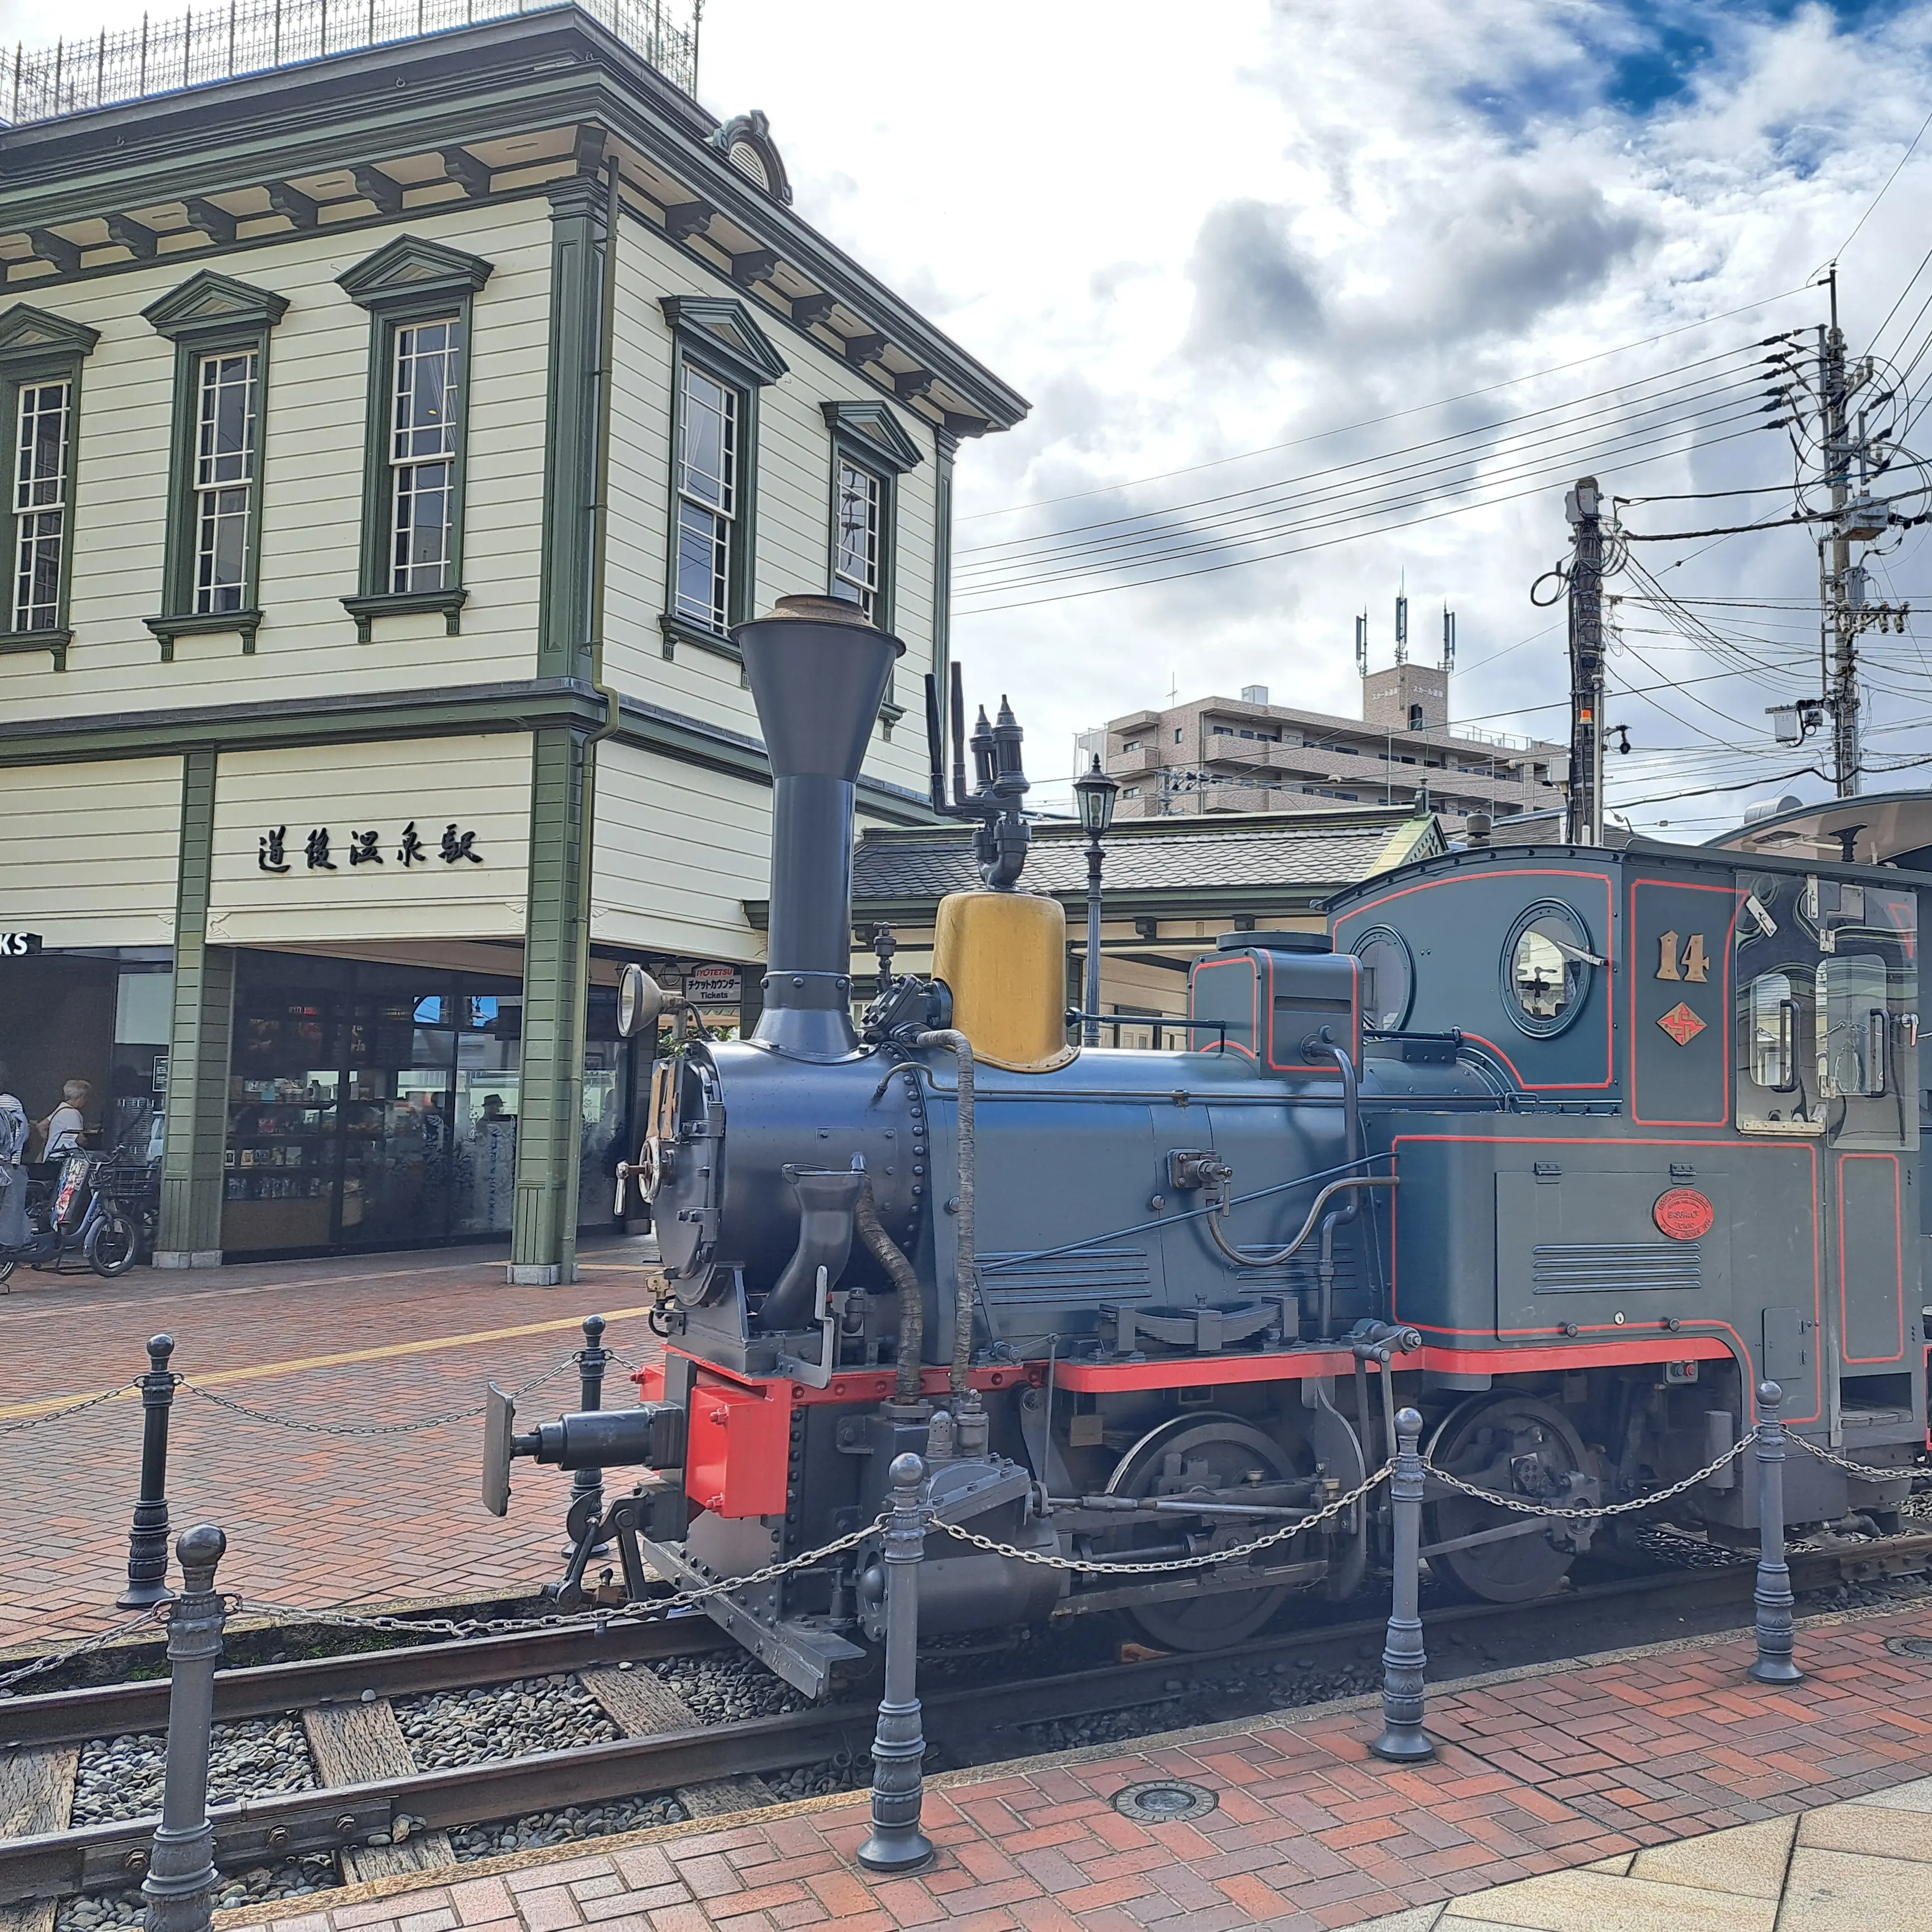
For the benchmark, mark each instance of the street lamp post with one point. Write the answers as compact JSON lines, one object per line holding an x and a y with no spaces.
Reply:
{"x":1094,"y":794}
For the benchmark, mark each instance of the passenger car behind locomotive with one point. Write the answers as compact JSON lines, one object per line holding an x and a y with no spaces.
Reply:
{"x":1567,"y":1147}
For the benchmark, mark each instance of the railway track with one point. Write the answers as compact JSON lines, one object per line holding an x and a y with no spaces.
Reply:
{"x":344,"y":1703}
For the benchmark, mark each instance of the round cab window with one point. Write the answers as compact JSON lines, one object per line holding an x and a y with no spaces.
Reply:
{"x":1546,"y":967}
{"x":1388,"y":979}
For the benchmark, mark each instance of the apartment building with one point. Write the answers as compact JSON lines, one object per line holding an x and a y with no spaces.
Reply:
{"x":1248,"y":754}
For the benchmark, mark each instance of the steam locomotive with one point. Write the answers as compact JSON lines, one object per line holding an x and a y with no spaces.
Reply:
{"x":1567,"y":1147}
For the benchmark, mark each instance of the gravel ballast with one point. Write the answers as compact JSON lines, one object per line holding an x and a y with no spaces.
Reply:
{"x":535,"y":1713}
{"x":121,"y":1778}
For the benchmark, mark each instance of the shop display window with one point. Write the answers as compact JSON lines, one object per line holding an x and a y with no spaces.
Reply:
{"x":374,"y":1106}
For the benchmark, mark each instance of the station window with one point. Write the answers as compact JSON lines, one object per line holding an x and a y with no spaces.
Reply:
{"x":1547,"y":966}
{"x":707,"y":488}
{"x":861,"y":536}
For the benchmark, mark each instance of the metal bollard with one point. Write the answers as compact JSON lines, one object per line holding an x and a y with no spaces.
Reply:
{"x":147,"y":1541}
{"x":1403,"y":1740}
{"x":586,"y":1486}
{"x":179,"y":1888}
{"x":899,"y":1746}
{"x":1773,"y":1597}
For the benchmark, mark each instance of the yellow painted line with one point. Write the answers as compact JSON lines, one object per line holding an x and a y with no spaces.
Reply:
{"x":264,"y":1370}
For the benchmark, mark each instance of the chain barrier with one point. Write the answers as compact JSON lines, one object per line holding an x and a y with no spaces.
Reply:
{"x":1086,"y":1566}
{"x":364,"y":1429}
{"x":156,"y":1613}
{"x":1586,"y":1512}
{"x":597,"y":1619}
{"x":1845,"y":1463}
{"x":72,"y":1408}
{"x":242,"y":1408}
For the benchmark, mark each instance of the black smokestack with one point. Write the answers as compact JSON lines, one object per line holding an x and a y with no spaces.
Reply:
{"x":818,"y":672}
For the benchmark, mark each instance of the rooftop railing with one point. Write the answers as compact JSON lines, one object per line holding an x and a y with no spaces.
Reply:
{"x":220,"y":43}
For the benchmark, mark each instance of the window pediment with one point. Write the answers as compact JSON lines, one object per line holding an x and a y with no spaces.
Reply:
{"x":877,"y":433}
{"x":722,"y":327}
{"x":409,"y":269}
{"x":29,"y":334}
{"x":208,"y":304}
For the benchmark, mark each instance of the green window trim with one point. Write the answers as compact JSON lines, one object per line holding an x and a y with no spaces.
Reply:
{"x":410,"y":280}
{"x":210,"y":314}
{"x":716,"y":335}
{"x":35,"y":347}
{"x":868,"y":437}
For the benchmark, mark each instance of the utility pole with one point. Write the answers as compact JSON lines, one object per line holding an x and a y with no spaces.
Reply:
{"x":1841,"y":680}
{"x":1845,"y":610}
{"x":1583,"y":824}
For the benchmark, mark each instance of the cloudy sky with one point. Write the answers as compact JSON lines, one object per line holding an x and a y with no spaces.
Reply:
{"x":1280,"y":281}
{"x":1316,"y":298}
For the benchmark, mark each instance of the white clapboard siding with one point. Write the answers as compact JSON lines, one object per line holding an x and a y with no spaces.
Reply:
{"x":794,"y":507}
{"x":88,"y":853}
{"x":678,"y":852}
{"x":479,"y":784}
{"x":313,"y":434}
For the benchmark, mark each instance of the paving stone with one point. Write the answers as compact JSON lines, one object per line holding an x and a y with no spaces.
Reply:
{"x":1916,"y":1796}
{"x":1874,"y":1830}
{"x":1845,"y":1891}
{"x":1747,"y":1859}
{"x":1587,"y":1901}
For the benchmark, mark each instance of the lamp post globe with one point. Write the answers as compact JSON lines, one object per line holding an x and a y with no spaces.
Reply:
{"x":1093,"y":796}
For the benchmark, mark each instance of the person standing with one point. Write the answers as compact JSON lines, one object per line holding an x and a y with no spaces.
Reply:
{"x":62,"y":1129}
{"x":14,"y":1229}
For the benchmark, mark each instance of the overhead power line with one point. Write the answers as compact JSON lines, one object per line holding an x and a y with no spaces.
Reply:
{"x":1399,"y":458}
{"x":1395,"y":416}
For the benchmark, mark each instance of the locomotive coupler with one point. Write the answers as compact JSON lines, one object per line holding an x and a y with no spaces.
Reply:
{"x":650,"y":1436}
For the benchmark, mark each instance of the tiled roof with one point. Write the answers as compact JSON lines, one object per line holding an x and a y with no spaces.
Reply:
{"x":899,"y":866}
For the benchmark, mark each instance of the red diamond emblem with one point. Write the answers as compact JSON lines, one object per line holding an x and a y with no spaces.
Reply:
{"x":1681,"y":1023}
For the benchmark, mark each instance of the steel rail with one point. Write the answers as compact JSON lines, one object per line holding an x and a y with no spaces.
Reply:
{"x":61,"y":1864}
{"x":267,"y":1689}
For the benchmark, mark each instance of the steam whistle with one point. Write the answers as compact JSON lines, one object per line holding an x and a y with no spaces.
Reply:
{"x":1003,"y":834}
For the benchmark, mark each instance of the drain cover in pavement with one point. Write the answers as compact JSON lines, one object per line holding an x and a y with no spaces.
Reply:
{"x":1909,"y":1646}
{"x":1165,"y":1803}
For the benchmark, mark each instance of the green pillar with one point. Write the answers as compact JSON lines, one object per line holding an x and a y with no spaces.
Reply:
{"x":579,"y":232}
{"x":557,"y":931}
{"x":198,"y":1044}
{"x":556,"y":965}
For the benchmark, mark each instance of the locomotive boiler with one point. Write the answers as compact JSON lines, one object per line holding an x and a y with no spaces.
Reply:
{"x":1567,"y":1147}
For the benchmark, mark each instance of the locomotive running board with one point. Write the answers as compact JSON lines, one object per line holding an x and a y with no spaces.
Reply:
{"x":804,"y":1655}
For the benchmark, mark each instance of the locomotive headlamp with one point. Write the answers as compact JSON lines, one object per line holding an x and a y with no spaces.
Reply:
{"x":640,"y":1000}
{"x":1093,"y":795}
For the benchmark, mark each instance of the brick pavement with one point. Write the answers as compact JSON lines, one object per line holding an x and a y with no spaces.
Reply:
{"x":311,"y":1519}
{"x":1539,"y":1772}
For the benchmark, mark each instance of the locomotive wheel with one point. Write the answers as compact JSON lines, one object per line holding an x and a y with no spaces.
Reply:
{"x":1516,"y":1447}
{"x":1191,"y":1453}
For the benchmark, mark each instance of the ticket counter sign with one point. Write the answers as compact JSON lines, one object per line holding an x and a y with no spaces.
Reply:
{"x":713,"y":985}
